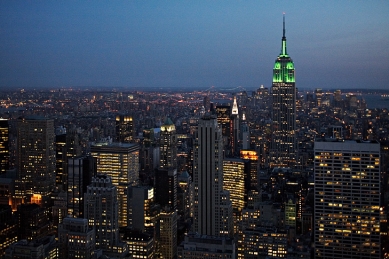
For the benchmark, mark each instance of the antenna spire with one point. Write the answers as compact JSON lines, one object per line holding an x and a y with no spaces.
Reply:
{"x":283,"y":31}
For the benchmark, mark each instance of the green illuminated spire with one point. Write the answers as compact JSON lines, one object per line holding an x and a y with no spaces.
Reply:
{"x":283,"y":71}
{"x":283,"y":48}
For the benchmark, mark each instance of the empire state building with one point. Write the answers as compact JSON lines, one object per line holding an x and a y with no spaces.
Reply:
{"x":283,"y":144}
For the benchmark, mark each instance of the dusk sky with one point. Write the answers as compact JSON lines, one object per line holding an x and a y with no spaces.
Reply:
{"x":192,"y":44}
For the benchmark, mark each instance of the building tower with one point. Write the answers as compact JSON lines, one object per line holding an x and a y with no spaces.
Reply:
{"x":166,"y":190}
{"x":121,"y":162}
{"x":36,"y":155}
{"x":283,"y":144}
{"x":347,"y":199}
{"x":76,"y":239}
{"x":101,"y":209}
{"x":125,"y":130}
{"x":235,"y":127}
{"x":212,"y":205}
{"x":4,"y":146}
{"x":168,"y":145}
{"x":80,"y":172}
{"x":166,"y":175}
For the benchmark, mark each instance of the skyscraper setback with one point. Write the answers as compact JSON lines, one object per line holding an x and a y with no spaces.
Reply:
{"x":283,"y":143}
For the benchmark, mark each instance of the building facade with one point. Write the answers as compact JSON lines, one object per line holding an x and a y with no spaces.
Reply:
{"x":121,"y":162}
{"x":212,"y":205}
{"x":347,"y":199}
{"x":283,"y":144}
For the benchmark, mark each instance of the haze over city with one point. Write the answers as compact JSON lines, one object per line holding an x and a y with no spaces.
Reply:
{"x":191,"y":44}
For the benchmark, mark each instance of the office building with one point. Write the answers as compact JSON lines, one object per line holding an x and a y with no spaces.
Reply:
{"x":33,"y":222}
{"x":168,"y":234}
{"x":197,"y":246}
{"x":101,"y":208}
{"x":142,"y":213}
{"x":76,"y":239}
{"x":212,"y":205}
{"x":66,"y":146}
{"x":347,"y":199}
{"x":125,"y":130}
{"x":8,"y":228}
{"x":235,"y":129}
{"x":80,"y":171}
{"x":166,"y":175}
{"x":36,"y":155}
{"x":234,"y":175}
{"x":283,"y":144}
{"x":121,"y":162}
{"x":140,"y":244}
{"x":4,"y":146}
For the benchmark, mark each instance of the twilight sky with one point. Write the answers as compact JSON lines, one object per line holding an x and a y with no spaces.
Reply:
{"x":192,"y":44}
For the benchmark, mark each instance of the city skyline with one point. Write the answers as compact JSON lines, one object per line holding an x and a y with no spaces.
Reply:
{"x":193,"y":45}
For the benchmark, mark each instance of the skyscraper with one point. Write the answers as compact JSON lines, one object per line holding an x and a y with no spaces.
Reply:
{"x":212,"y":205}
{"x":80,"y":172}
{"x":4,"y":147}
{"x":283,"y":144}
{"x":168,"y":145}
{"x":121,"y":162}
{"x":235,"y":127}
{"x":76,"y":239}
{"x":101,"y":209}
{"x":36,"y":155}
{"x":125,"y":130}
{"x":347,"y":199}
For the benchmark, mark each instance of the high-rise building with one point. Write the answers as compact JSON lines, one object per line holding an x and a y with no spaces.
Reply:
{"x":347,"y":199}
{"x":234,"y":175}
{"x":66,"y":146}
{"x":168,"y":145}
{"x":244,"y":134}
{"x":142,"y":215}
{"x":36,"y":155}
{"x":33,"y":222}
{"x":283,"y":144}
{"x":168,"y":234}
{"x":80,"y":171}
{"x":235,"y":128}
{"x":101,"y":208}
{"x":125,"y":130}
{"x":8,"y":228}
{"x":212,"y":205}
{"x":121,"y":162}
{"x":140,"y":244}
{"x":4,"y":146}
{"x":76,"y":239}
{"x":166,"y":175}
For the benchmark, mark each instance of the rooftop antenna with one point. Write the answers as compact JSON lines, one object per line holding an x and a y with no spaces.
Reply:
{"x":283,"y":34}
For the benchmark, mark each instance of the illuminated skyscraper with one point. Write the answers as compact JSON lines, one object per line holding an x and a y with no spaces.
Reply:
{"x":283,"y":144}
{"x":121,"y":162}
{"x":212,"y":205}
{"x":347,"y":199}
{"x":36,"y":155}
{"x":125,"y":130}
{"x":4,"y":148}
{"x":235,"y":127}
{"x":168,"y":145}
{"x":235,"y":172}
{"x":101,"y":209}
{"x":76,"y":239}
